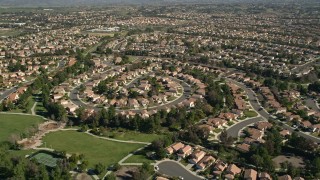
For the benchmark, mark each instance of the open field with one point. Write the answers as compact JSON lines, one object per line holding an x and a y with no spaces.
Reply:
{"x":22,"y":153}
{"x":9,"y":32}
{"x":131,"y":136}
{"x":95,"y":150}
{"x":139,"y":158}
{"x":100,"y":34}
{"x":16,"y":124}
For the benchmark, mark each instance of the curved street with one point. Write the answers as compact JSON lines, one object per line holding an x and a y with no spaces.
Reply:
{"x":186,"y":93}
{"x":234,"y":130}
{"x":256,"y":105}
{"x":173,"y":168}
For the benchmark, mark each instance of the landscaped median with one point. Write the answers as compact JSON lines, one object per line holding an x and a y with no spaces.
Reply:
{"x":250,"y":113}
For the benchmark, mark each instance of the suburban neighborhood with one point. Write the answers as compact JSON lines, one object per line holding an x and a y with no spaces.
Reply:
{"x":164,"y":91}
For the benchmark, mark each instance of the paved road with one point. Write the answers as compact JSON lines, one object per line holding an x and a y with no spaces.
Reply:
{"x":187,"y":92}
{"x":6,"y":93}
{"x":75,"y":99}
{"x":234,"y":130}
{"x":172,"y":168}
{"x":266,"y":115}
{"x":300,"y":68}
{"x":185,"y":95}
{"x":312,"y":104}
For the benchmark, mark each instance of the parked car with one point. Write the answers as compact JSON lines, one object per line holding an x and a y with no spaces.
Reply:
{"x":156,"y":168}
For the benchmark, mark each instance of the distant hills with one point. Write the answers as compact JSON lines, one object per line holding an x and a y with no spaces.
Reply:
{"x":84,"y":2}
{"x":47,"y":3}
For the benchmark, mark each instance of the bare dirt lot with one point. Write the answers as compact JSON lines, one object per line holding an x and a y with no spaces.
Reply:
{"x":295,"y":160}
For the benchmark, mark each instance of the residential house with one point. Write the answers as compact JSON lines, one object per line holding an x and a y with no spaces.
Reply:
{"x":205,"y":162}
{"x":285,"y":132}
{"x":298,"y":178}
{"x":196,"y":156}
{"x":185,"y":151}
{"x":316,"y":128}
{"x":219,"y":167}
{"x":306,"y":124}
{"x":133,"y":103}
{"x":233,"y":169}
{"x":13,"y":97}
{"x":285,"y":177}
{"x":264,"y":176}
{"x":175,"y":147}
{"x":255,"y":133}
{"x":250,"y":174}
{"x":216,"y":122}
{"x":190,"y":102}
{"x":243,"y":147}
{"x":263,"y":125}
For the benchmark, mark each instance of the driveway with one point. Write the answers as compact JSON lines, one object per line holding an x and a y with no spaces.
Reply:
{"x":173,"y":168}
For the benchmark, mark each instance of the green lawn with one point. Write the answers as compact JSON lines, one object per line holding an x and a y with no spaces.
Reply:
{"x":40,"y":109}
{"x":131,"y":136}
{"x":22,"y":153}
{"x":95,"y":150}
{"x":10,"y":32}
{"x":250,"y":113}
{"x":132,"y":58}
{"x":139,"y":158}
{"x":16,"y":124}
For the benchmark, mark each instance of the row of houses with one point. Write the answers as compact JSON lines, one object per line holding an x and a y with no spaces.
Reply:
{"x":292,"y":96}
{"x":202,"y":160}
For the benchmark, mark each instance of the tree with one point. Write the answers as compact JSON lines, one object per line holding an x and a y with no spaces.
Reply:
{"x":81,"y":114}
{"x":292,"y":171}
{"x":111,"y":177}
{"x":316,"y":166}
{"x":82,"y":88}
{"x":103,"y":117}
{"x":225,"y":138}
{"x":99,"y":168}
{"x":83,"y":166}
{"x":43,"y":173}
{"x":314,"y":87}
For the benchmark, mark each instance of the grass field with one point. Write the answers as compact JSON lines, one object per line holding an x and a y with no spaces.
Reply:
{"x":40,"y":109}
{"x":16,"y":124}
{"x":10,"y":32}
{"x":139,"y":158}
{"x":100,"y":34}
{"x":132,"y":136}
{"x":22,"y":153}
{"x":250,"y":113}
{"x":95,"y":150}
